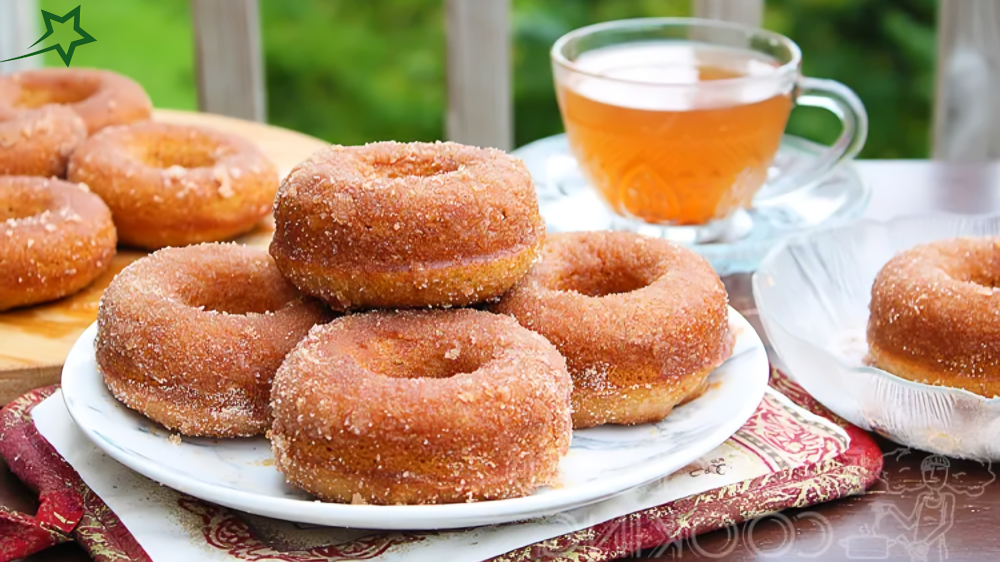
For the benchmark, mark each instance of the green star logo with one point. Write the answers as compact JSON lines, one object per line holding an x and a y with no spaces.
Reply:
{"x":66,"y":54}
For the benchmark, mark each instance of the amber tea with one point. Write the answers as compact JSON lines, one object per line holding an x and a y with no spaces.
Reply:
{"x":659,"y":142}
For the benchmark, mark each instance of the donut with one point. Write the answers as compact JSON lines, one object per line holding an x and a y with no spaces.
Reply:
{"x":175,"y":185}
{"x":421,"y":407}
{"x":38,"y":142}
{"x":100,"y":97}
{"x":641,"y":322}
{"x":191,"y":337}
{"x":391,"y":225}
{"x":934,"y":315}
{"x":55,"y":238}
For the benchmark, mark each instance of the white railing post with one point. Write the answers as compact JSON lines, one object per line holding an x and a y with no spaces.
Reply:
{"x":18,"y":29}
{"x":479,"y":73}
{"x":749,"y":12}
{"x":967,"y":104}
{"x":228,"y":57}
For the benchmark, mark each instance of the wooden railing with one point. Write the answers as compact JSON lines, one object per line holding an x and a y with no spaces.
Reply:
{"x":480,"y":108}
{"x":231,"y":77}
{"x":967,"y":100}
{"x":229,"y":62}
{"x":19,"y":27}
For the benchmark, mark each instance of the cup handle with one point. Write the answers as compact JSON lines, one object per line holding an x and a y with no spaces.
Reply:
{"x":845,"y":104}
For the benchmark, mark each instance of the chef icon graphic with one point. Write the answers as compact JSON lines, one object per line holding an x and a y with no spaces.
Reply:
{"x":932,"y":516}
{"x":920,"y":533}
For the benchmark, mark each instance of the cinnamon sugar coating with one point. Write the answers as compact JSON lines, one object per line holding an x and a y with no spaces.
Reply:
{"x":100,"y":97}
{"x":392,"y":225}
{"x":174,"y":185}
{"x":55,"y":238}
{"x":935,"y":315}
{"x":38,"y":142}
{"x":641,"y":322}
{"x":421,"y":407}
{"x":191,"y":337}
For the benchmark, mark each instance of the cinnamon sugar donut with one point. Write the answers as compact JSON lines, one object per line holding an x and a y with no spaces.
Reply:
{"x":641,"y":321}
{"x":100,"y":97}
{"x":420,"y":407}
{"x":191,"y":337}
{"x":38,"y":142}
{"x":174,"y":185}
{"x":935,"y":315}
{"x":392,"y":225}
{"x":55,"y":238}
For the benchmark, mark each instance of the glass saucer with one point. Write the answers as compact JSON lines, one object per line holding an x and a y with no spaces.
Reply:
{"x":568,"y":203}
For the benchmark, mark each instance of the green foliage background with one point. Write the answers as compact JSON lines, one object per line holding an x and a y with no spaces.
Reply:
{"x":352,"y":71}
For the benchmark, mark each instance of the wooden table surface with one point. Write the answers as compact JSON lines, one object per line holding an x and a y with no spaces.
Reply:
{"x":910,"y":514}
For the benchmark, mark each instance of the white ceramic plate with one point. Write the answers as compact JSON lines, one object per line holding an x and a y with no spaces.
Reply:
{"x":240,"y":473}
{"x":812,"y":293}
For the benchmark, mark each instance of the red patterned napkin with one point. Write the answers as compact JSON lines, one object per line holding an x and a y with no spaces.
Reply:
{"x":798,"y":462}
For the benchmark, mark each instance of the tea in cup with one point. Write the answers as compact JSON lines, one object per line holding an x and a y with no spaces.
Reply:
{"x":676,"y":121}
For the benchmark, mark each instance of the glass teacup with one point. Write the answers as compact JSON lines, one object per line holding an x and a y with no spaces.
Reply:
{"x":675,"y":121}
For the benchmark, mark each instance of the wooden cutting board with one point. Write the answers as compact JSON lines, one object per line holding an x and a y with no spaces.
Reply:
{"x":34,"y":341}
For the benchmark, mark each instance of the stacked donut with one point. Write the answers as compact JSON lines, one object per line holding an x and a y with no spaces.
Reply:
{"x":127,"y":179}
{"x":467,"y":347}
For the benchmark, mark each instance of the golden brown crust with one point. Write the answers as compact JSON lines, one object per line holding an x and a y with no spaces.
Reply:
{"x":641,"y":321}
{"x":393,"y":225}
{"x":420,"y":407}
{"x":191,"y":337}
{"x":100,"y":97}
{"x":55,"y":238}
{"x":934,"y":315}
{"x":38,"y":142}
{"x":174,"y":185}
{"x":632,"y":404}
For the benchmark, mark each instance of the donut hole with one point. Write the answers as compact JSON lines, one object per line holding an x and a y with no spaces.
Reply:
{"x":244,"y":302}
{"x":392,"y":169}
{"x":22,"y":203}
{"x":984,"y":279}
{"x":169,"y":152}
{"x":241,"y":293}
{"x":33,"y":96}
{"x":980,"y":267}
{"x":404,"y":358}
{"x":600,"y":268}
{"x":602,"y":281}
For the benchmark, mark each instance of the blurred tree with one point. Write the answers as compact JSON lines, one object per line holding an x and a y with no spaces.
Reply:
{"x":885,"y":51}
{"x":148,"y":40}
{"x":353,"y":72}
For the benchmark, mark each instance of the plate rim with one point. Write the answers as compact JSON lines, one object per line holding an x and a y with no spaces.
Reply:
{"x":444,"y":516}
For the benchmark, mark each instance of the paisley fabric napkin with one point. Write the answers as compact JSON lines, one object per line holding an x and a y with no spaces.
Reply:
{"x":784,"y":456}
